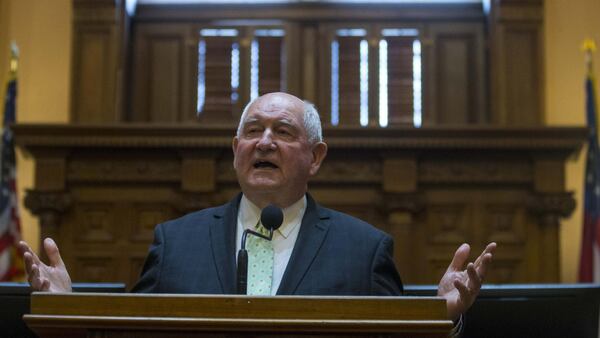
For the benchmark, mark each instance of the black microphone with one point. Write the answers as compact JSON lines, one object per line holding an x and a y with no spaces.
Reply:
{"x":271,"y":218}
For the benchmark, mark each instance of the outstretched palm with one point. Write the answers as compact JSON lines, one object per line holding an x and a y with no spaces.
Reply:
{"x":460,"y":287}
{"x":42,"y":277}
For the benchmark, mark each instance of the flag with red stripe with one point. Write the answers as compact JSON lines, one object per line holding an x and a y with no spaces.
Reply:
{"x":11,"y":265}
{"x":589,"y":268}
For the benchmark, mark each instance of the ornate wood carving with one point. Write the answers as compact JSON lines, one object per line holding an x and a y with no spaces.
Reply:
{"x":481,"y":170}
{"x":552,"y":207}
{"x":48,"y":207}
{"x":430,"y":188}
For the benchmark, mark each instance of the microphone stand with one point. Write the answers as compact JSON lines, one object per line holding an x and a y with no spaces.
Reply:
{"x":242,"y":260}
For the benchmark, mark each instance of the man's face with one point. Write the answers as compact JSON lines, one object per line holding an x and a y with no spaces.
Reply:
{"x":273,"y":159}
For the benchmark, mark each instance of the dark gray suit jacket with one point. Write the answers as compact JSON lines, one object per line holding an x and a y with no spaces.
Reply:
{"x":335,"y":254}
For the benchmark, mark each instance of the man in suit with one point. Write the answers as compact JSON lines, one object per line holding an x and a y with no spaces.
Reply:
{"x":316,"y":251}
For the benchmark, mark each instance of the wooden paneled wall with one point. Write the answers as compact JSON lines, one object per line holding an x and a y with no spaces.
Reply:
{"x":516,"y":62}
{"x":478,"y":67}
{"x":100,"y":191}
{"x":101,"y":188}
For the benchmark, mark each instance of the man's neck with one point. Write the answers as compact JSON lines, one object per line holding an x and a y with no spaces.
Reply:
{"x":262,"y":201}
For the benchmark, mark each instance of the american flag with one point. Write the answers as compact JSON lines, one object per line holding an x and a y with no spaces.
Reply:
{"x":11,"y":265}
{"x":589,"y":268}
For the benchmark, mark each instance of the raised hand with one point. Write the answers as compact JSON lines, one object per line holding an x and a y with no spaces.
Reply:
{"x":460,"y":287}
{"x":42,"y":277}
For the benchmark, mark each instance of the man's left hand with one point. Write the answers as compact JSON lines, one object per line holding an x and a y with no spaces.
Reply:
{"x":460,"y":287}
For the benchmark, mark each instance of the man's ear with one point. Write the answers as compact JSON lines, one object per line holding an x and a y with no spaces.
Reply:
{"x":319,"y":152}
{"x":234,"y":145}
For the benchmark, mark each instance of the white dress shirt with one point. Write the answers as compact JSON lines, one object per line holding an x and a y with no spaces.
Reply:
{"x":284,"y":238}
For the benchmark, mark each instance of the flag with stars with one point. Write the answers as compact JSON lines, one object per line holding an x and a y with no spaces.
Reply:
{"x":589,"y":268}
{"x":11,"y":265}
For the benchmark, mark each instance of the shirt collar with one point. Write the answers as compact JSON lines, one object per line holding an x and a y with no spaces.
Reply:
{"x":249,"y":214}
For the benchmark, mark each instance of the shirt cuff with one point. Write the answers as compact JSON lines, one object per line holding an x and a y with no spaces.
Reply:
{"x":457,"y":329}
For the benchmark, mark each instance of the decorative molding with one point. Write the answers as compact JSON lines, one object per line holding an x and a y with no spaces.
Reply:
{"x":563,"y":139}
{"x":551,"y":207}
{"x":448,"y":224}
{"x":315,"y":11}
{"x":411,"y":203}
{"x":477,"y":171}
{"x":95,"y":223}
{"x":123,"y":170}
{"x":504,"y":223}
{"x":352,"y":171}
{"x":48,"y":206}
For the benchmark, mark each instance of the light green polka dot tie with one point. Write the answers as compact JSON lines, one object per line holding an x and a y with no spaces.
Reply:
{"x":260,"y":263}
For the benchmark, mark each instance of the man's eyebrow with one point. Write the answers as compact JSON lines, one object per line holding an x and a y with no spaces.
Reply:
{"x":250,"y":120}
{"x":286,"y":122}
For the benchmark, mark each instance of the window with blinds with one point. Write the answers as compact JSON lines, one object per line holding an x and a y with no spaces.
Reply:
{"x":400,"y":93}
{"x":398,"y":86}
{"x":358,"y":69}
{"x":221,"y":69}
{"x":267,"y":66}
{"x":349,"y":77}
{"x":218,"y":70}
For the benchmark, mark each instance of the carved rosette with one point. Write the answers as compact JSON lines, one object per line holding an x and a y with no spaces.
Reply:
{"x":48,"y":206}
{"x":550,"y":207}
{"x":401,"y":208}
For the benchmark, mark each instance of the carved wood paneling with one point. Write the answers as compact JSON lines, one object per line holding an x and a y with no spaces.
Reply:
{"x":516,"y":62}
{"x":481,"y":170}
{"x":431,"y":189}
{"x":463,"y":83}
{"x":108,"y":229}
{"x":98,"y":59}
{"x":122,"y":169}
{"x":455,"y":91}
{"x":162,"y":75}
{"x":165,"y":61}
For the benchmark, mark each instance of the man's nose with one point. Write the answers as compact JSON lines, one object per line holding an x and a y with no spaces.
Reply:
{"x":266,"y":141}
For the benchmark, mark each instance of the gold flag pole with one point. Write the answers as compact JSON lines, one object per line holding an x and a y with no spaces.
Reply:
{"x":14,"y":60}
{"x":589,"y":47}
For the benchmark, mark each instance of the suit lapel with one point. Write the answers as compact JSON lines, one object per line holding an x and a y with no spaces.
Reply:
{"x":222,"y":236}
{"x":312,"y":233}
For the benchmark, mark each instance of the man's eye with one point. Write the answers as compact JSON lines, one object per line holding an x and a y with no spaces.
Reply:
{"x":253,"y":131}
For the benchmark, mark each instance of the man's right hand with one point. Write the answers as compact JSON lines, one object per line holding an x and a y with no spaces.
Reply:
{"x":42,"y":277}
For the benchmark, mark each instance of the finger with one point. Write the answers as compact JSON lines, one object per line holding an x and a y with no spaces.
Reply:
{"x":485,"y":262}
{"x":24,"y":247}
{"x":489,"y":249}
{"x":28,"y":259}
{"x":460,"y":258}
{"x":53,"y":253}
{"x":34,"y":279}
{"x":463,"y":290}
{"x":45,"y":285}
{"x":474,"y":279}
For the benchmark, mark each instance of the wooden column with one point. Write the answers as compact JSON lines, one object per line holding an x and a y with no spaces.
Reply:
{"x":100,"y":31}
{"x":401,"y":205}
{"x":517,"y":62}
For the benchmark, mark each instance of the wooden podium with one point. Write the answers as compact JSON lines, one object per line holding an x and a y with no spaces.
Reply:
{"x":143,"y":315}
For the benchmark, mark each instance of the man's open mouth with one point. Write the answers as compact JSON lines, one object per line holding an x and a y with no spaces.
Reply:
{"x":264,"y":165}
